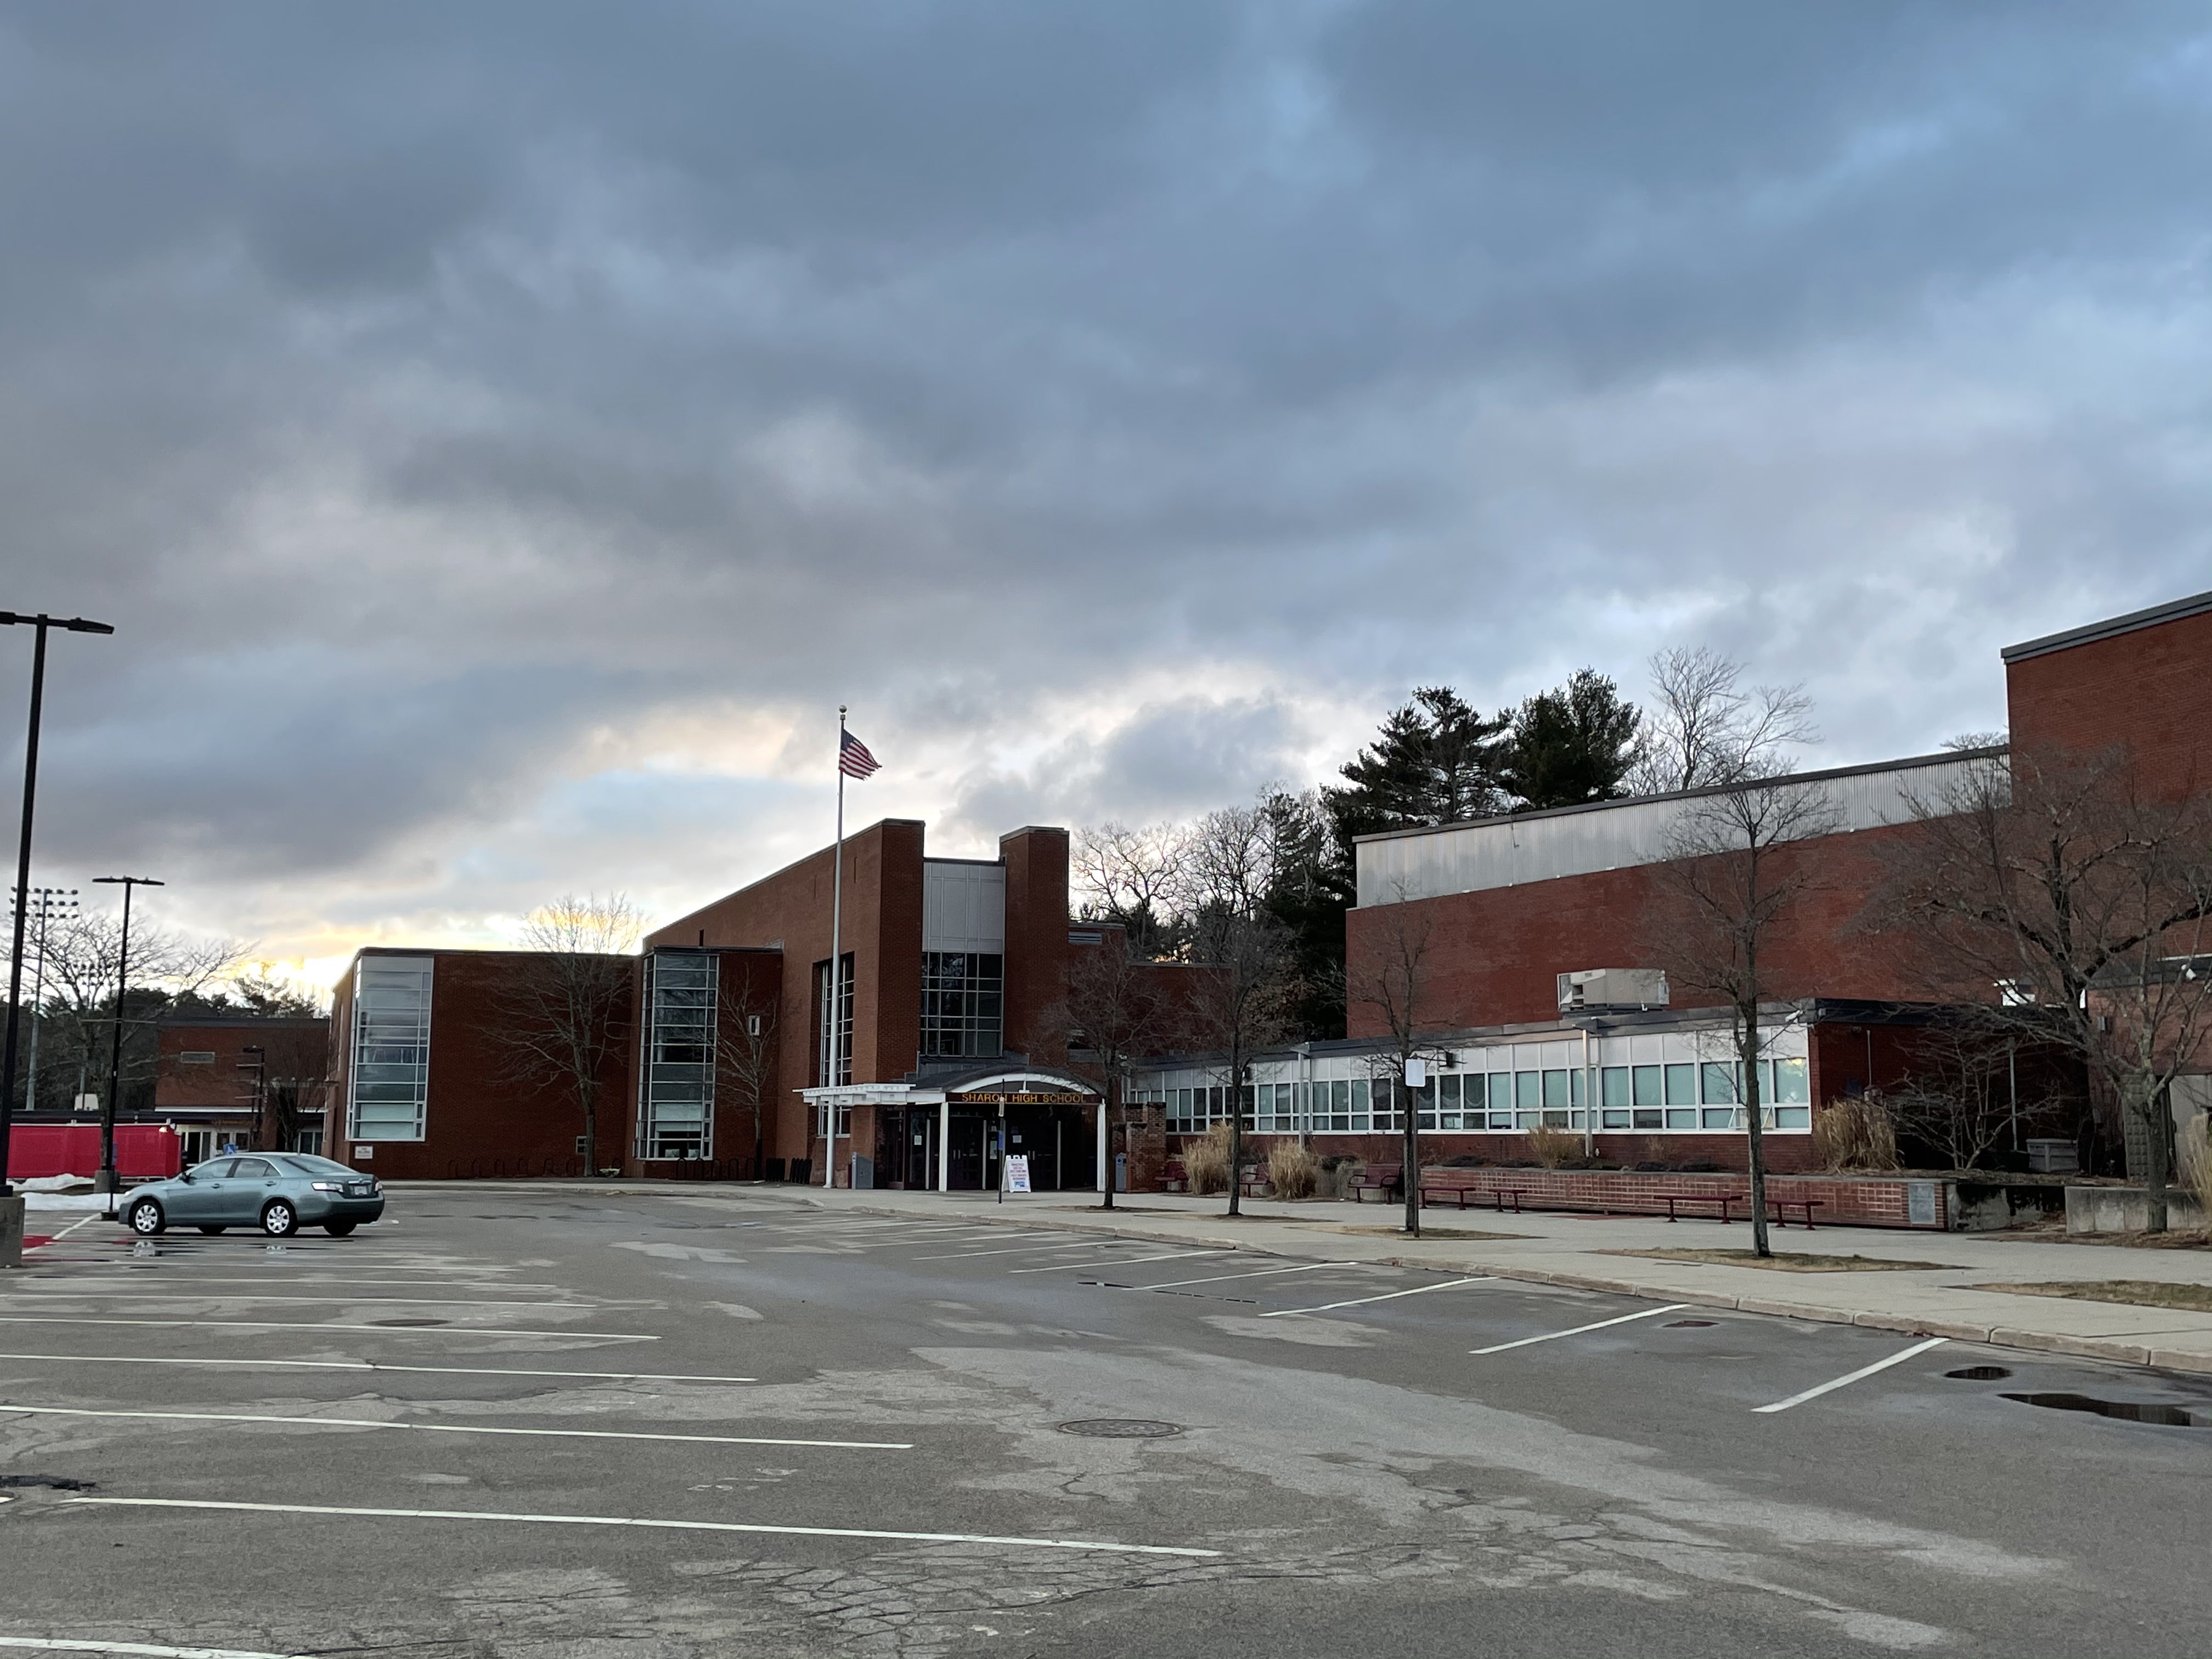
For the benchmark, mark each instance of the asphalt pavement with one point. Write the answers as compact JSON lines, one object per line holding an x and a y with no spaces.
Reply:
{"x":667,"y":1423}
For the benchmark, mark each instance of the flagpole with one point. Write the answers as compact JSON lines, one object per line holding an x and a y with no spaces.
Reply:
{"x":836,"y":998}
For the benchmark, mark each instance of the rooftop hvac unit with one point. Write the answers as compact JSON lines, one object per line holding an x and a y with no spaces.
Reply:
{"x":1595,"y":988}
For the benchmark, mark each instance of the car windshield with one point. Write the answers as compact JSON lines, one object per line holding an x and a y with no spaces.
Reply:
{"x":307,"y":1164}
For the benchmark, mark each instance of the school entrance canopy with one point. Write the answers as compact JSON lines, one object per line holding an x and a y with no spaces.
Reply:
{"x":948,"y":1128}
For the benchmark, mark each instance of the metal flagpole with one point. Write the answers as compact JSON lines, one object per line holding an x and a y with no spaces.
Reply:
{"x":836,"y":999}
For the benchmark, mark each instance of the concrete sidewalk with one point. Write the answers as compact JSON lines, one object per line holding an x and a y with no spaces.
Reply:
{"x":1584,"y":1252}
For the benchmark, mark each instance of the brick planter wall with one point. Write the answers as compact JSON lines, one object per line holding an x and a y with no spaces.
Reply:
{"x":1850,"y":1200}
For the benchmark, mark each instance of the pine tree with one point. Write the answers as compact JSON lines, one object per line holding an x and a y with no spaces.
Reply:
{"x":1572,"y":745}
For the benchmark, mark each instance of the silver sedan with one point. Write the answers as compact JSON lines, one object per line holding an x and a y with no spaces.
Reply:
{"x":279,"y":1193}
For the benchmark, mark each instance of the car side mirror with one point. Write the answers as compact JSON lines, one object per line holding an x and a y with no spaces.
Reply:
{"x":185,"y":1177}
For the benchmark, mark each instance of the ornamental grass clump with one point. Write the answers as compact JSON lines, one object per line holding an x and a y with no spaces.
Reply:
{"x":1854,"y":1135}
{"x":2193,"y":1142}
{"x":1292,"y":1171}
{"x":1207,"y":1162}
{"x":1553,"y":1149}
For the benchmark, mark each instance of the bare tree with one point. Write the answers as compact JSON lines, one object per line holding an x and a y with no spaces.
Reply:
{"x":1729,"y":882}
{"x":81,"y":955}
{"x":1703,"y":728}
{"x":1959,"y":1097}
{"x":752,"y":1056}
{"x":1394,"y":982}
{"x":1135,"y":878}
{"x":296,"y":1082}
{"x":1245,"y":989}
{"x":1229,"y":865}
{"x":565,"y":1016}
{"x":2072,"y":908}
{"x":1111,"y":1014}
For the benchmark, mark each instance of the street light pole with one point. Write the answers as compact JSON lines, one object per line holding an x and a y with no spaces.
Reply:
{"x":41,"y":622}
{"x":50,"y":900}
{"x":260,"y":1065}
{"x":106,"y":1182}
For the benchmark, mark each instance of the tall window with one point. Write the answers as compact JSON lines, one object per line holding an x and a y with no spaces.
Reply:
{"x":389,"y":1084}
{"x":963,"y":994}
{"x":833,"y":1024}
{"x":678,"y":1118}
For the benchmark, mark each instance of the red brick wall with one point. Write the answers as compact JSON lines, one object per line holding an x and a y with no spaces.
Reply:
{"x":1494,"y":956}
{"x":292,"y":1046}
{"x":882,"y":928}
{"x":1855,"y":1200}
{"x":1037,"y":938}
{"x":2149,"y":691}
{"x":481,"y":1119}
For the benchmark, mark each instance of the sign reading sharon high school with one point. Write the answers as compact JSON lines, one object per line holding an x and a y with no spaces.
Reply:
{"x":989,"y":1099}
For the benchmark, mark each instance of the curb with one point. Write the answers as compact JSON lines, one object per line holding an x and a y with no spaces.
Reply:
{"x":1997,"y":1336}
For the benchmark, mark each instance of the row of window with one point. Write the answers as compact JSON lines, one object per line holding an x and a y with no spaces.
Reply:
{"x":963,"y":995}
{"x":1705,"y":1096}
{"x":389,"y":1081}
{"x":679,"y":1114}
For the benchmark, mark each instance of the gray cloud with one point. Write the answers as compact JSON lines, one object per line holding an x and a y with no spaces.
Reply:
{"x":434,"y":396}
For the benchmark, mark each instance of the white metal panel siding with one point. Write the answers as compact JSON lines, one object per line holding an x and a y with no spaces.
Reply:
{"x":963,"y":907}
{"x":1510,"y":852}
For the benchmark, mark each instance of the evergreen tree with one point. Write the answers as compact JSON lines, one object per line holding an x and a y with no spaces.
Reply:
{"x":1572,"y":745}
{"x":1436,"y":761}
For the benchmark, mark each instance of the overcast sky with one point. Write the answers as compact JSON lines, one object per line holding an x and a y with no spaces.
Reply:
{"x":501,"y":434}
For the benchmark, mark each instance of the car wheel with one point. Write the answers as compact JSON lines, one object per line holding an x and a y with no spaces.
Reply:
{"x":147,"y":1219}
{"x":214,"y":1229}
{"x":280,"y":1220}
{"x":339,"y":1228}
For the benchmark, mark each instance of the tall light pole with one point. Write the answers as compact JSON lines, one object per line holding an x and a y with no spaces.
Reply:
{"x":106,"y":1182}
{"x":259,"y":1067}
{"x":41,"y":622}
{"x":48,"y":902}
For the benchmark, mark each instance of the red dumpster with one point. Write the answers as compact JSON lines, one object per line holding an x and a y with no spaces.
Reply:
{"x":143,"y":1151}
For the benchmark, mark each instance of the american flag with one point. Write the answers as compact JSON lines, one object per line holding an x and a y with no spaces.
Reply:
{"x":854,"y":759}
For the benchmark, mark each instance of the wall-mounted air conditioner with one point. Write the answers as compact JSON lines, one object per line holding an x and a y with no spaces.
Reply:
{"x":1595,"y":988}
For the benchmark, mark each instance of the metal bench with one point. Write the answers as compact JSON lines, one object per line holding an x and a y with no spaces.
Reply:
{"x":1384,"y":1178}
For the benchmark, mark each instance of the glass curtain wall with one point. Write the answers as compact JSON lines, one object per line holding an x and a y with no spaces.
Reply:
{"x":962,"y":1000}
{"x":833,"y":1024}
{"x":679,"y":1116}
{"x":389,"y":1085}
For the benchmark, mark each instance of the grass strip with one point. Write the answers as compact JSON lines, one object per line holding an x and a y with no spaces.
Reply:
{"x":1790,"y":1262}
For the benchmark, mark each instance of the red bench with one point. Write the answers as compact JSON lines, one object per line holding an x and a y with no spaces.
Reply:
{"x":1379,"y":1177}
{"x":1780,"y":1208}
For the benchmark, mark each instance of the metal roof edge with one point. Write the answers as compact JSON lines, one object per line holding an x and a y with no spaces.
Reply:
{"x":1777,"y":781}
{"x":2111,"y":628}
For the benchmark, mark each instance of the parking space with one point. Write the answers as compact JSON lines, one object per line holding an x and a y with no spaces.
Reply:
{"x":740,"y":1423}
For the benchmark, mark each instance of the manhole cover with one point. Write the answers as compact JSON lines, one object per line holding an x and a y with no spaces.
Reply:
{"x":52,"y":1482}
{"x":2128,"y":1411}
{"x":407,"y":1321}
{"x":1121,"y":1428}
{"x":1687,"y":1324}
{"x":1980,"y":1373}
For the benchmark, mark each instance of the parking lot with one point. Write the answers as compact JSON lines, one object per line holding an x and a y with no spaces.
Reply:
{"x":539,"y":1420}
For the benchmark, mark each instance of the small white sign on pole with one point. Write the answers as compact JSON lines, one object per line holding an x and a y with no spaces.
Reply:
{"x":1417,"y":1072}
{"x":1018,"y":1172}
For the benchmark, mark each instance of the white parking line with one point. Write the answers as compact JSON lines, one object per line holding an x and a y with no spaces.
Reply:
{"x":462,"y":1428}
{"x":367,"y":1365}
{"x":639,"y":1521}
{"x":1553,"y":1336}
{"x":181,"y":1295}
{"x":266,"y":1277}
{"x":149,"y":1650}
{"x":1388,"y":1296}
{"x":1019,"y":1250}
{"x":1850,"y":1377}
{"x":320,"y":1324}
{"x":1117,"y":1261}
{"x":1264,"y":1273}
